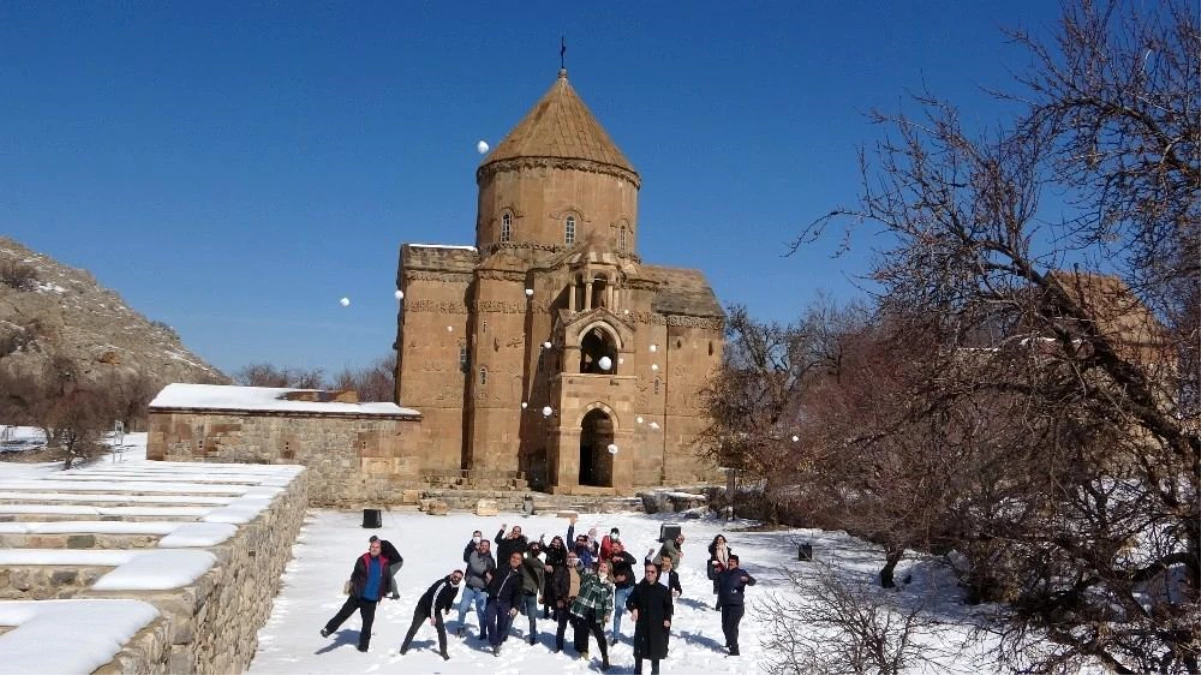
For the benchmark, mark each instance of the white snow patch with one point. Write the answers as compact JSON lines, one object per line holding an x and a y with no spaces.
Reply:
{"x":28,"y":497}
{"x":98,"y":629}
{"x":229,"y":397}
{"x":157,"y":571}
{"x":91,"y":527}
{"x":446,"y":246}
{"x":198,"y":535}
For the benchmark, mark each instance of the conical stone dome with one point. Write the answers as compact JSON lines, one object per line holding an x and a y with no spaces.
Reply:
{"x":560,"y":127}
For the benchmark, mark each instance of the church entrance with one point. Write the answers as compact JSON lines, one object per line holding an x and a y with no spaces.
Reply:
{"x":596,"y":462}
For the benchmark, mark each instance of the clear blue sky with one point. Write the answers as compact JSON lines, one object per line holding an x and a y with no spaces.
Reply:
{"x":235,"y":168}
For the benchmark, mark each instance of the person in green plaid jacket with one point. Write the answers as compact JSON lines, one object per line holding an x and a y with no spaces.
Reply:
{"x":591,"y":610}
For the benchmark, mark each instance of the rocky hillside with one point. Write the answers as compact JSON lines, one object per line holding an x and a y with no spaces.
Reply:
{"x":49,"y":310}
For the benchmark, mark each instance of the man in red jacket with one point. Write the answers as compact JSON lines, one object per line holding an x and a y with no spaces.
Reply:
{"x":368,"y":583}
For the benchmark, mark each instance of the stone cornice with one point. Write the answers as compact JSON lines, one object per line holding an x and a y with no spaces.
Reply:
{"x":235,"y":412}
{"x":447,"y":277}
{"x":488,"y":170}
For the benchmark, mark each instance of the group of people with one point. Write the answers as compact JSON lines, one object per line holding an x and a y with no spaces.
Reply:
{"x":581,"y":580}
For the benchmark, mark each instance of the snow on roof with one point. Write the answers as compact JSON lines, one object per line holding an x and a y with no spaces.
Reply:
{"x":264,"y":399}
{"x":136,"y":569}
{"x":28,"y":498}
{"x":92,"y":527}
{"x":454,"y":248}
{"x":81,"y":510}
{"x":198,"y":535}
{"x":99,"y":630}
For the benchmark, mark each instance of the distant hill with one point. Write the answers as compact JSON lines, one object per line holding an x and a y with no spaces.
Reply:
{"x":48,"y":309}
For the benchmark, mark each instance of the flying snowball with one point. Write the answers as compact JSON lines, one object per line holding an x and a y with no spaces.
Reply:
{"x":481,"y":147}
{"x":400,"y":295}
{"x":450,"y":329}
{"x":640,"y":420}
{"x":524,"y":405}
{"x":345,"y":302}
{"x":620,"y":360}
{"x":795,"y":439}
{"x":546,"y":345}
{"x":654,"y":366}
{"x":529,"y":292}
{"x":612,"y":449}
{"x":654,"y":425}
{"x":605,"y":363}
{"x":548,"y":411}
{"x":654,"y":348}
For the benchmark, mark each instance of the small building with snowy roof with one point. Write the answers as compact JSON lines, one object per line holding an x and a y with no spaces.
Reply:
{"x":357,"y":453}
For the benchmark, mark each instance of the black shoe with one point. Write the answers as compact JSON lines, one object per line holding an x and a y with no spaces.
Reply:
{"x":461,"y":632}
{"x":363,"y":648}
{"x":324,"y":632}
{"x":484,"y":637}
{"x":404,"y":650}
{"x":734,"y":652}
{"x":496,"y":650}
{"x":605,"y":664}
{"x":445,"y":656}
{"x":533,"y":640}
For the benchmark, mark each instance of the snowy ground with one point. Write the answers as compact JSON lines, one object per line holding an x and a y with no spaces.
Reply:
{"x":432,"y":546}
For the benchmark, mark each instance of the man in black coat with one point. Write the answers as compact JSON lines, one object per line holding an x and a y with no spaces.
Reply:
{"x":368,"y":583}
{"x":504,"y":595}
{"x":651,"y":608}
{"x":622,"y":564}
{"x":505,"y":546}
{"x":731,"y":583}
{"x":434,"y":604}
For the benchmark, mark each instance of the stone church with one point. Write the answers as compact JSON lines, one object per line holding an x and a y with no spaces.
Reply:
{"x":550,"y":351}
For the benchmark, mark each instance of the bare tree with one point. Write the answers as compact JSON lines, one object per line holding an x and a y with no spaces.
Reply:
{"x":268,"y":375}
{"x":826,"y":624}
{"x":1087,"y":521}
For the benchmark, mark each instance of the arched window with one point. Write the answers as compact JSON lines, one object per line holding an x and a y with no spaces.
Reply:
{"x":569,"y":230}
{"x":483,"y":376}
{"x":621,"y":239}
{"x":506,"y":227}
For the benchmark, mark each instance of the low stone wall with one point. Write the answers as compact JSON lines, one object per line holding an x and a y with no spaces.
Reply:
{"x":208,"y":626}
{"x":212,"y":625}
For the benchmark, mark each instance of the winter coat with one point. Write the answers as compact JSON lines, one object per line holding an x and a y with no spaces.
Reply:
{"x":533,"y":576}
{"x":730,"y":586}
{"x":669,"y":547}
{"x":505,"y":586}
{"x":588,"y":553}
{"x":506,"y":547}
{"x":623,"y":564}
{"x":653,"y":602}
{"x":559,"y":587}
{"x":595,"y":600}
{"x":714,"y":570}
{"x":478,"y":567}
{"x":395,"y":562}
{"x":358,"y":576}
{"x":440,"y":597}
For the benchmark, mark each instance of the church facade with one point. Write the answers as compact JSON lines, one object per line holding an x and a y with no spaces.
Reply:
{"x":549,"y":350}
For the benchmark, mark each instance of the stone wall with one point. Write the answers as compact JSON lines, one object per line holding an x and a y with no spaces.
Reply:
{"x":354,"y":460}
{"x":208,"y":626}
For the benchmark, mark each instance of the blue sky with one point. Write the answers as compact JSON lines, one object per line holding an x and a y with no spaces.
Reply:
{"x":235,"y":168}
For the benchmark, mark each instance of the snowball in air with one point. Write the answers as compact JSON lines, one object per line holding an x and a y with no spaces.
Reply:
{"x":524,"y":405}
{"x":612,"y":449}
{"x":640,"y":420}
{"x":529,"y":292}
{"x":654,"y":366}
{"x":345,"y":302}
{"x":400,"y":295}
{"x":620,"y":360}
{"x":795,"y":439}
{"x":546,"y":345}
{"x":605,"y":363}
{"x":481,"y":147}
{"x":449,"y":328}
{"x":654,"y":425}
{"x":548,"y":411}
{"x":654,"y":348}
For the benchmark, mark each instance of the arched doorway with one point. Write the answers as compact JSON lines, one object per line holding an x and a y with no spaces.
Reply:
{"x":596,"y":462}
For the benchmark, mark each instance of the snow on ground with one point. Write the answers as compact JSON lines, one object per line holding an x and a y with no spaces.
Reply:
{"x":432,"y":547}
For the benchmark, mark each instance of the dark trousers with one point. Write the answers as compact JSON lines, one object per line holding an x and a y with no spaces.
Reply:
{"x":366,"y":612}
{"x":584,"y":626}
{"x":731,"y":616}
{"x":562,"y":618}
{"x":496,"y":614}
{"x":638,"y":665}
{"x":418,"y":619}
